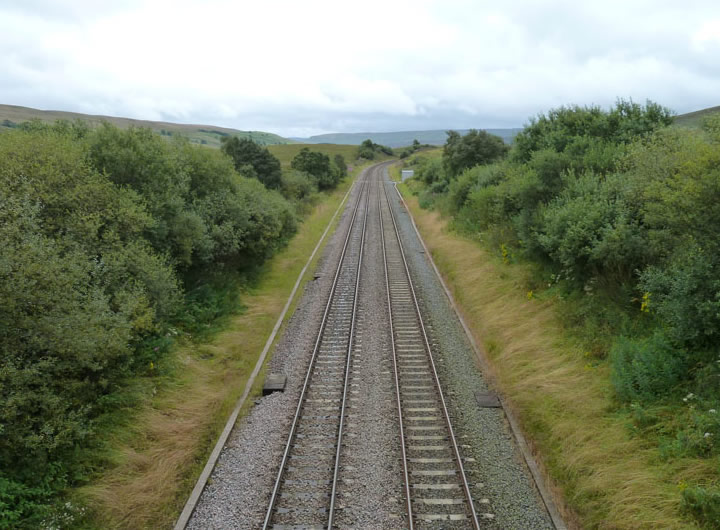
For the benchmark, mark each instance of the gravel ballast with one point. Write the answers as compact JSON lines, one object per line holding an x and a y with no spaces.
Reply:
{"x":371,"y":492}
{"x":502,"y":487}
{"x":239,"y":488}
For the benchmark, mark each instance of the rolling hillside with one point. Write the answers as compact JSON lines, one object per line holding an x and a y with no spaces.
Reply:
{"x":398,"y":139}
{"x":11,"y":115}
{"x":693,"y":119}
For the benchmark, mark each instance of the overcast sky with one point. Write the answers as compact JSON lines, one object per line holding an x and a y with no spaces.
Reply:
{"x":301,"y":67}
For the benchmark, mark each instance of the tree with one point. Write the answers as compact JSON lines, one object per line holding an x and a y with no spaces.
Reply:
{"x":318,"y":165}
{"x":473,"y":149}
{"x":368,"y":149}
{"x":244,"y":152}
{"x":341,"y":166}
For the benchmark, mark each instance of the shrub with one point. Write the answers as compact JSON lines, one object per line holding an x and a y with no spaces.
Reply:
{"x":686,"y":296}
{"x":647,"y":369}
{"x":472,"y":149}
{"x":592,"y":231}
{"x":368,"y":150}
{"x":297,"y":185}
{"x":94,"y":232}
{"x":244,"y":152}
{"x":318,"y":165}
{"x":431,"y":171}
{"x":704,"y":504}
{"x":476,"y":177}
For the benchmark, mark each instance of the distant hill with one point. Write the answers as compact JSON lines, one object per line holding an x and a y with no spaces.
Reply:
{"x":11,"y":116}
{"x":398,"y":139}
{"x":694,"y":119}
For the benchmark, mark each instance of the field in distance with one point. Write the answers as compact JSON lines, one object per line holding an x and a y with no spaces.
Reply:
{"x":285,"y":153}
{"x":11,"y":115}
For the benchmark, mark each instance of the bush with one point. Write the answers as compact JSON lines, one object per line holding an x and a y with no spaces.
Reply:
{"x":476,"y":177}
{"x":97,"y":231}
{"x":244,"y":152}
{"x":318,"y":165}
{"x":431,"y":171}
{"x":562,"y":127}
{"x":704,"y":504}
{"x":591,"y":230}
{"x":473,"y":149}
{"x":647,"y":369}
{"x":297,"y":185}
{"x":685,"y":294}
{"x":369,"y":150}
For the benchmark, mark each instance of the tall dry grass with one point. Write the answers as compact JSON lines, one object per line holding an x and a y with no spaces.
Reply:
{"x":602,"y":476}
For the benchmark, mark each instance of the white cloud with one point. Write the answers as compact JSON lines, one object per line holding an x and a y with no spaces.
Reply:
{"x":323,"y":65}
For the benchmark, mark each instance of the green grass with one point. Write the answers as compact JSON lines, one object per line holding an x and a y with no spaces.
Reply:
{"x":209,"y":134}
{"x":158,"y":447}
{"x":693,"y":120}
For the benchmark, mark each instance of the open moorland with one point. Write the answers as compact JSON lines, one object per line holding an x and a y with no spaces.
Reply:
{"x":12,"y":115}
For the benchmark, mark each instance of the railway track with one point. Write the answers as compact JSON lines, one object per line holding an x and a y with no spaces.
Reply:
{"x":436,"y":489}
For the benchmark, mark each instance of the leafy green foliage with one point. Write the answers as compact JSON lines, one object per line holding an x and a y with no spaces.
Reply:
{"x":564,"y":129}
{"x":704,"y":504}
{"x":609,"y":200}
{"x":645,"y":369}
{"x":100,"y":233}
{"x":473,"y":149}
{"x":318,"y":166}
{"x":246,"y":153}
{"x":591,"y":229}
{"x":618,"y":214}
{"x":369,"y":150}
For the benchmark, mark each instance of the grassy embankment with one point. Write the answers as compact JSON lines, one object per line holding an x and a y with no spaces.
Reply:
{"x":160,"y":449}
{"x":604,"y":476}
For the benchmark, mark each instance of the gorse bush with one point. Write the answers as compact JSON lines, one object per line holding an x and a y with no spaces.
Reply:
{"x":102,"y":233}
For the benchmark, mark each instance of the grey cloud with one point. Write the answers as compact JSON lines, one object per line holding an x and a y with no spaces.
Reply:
{"x":463,"y":69}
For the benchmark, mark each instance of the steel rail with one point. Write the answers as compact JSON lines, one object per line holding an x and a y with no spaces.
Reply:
{"x":456,"y":450}
{"x":306,"y":383}
{"x":348,"y":362}
{"x":408,"y":501}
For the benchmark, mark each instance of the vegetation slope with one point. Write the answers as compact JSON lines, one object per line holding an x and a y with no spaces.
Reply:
{"x":114,"y":244}
{"x":609,"y":217}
